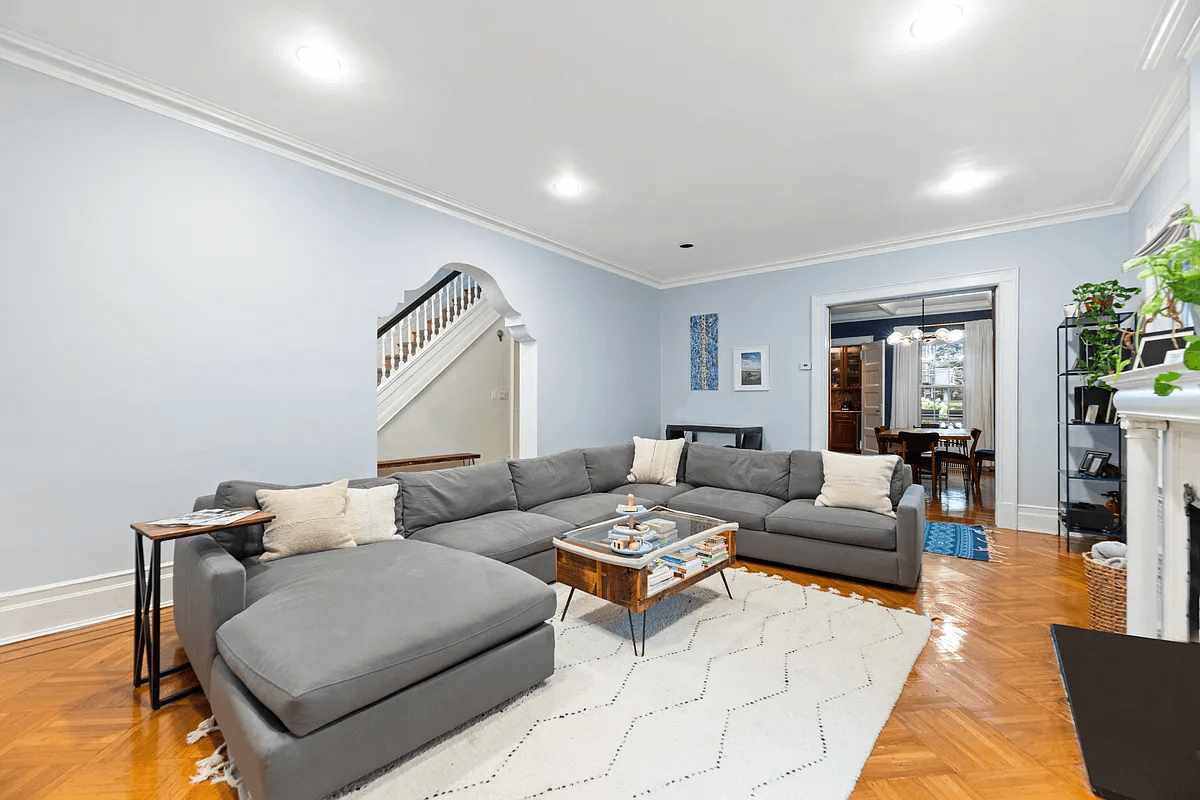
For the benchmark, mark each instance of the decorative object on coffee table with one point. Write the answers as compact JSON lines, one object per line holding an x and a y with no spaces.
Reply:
{"x":147,"y":597}
{"x":699,"y":546}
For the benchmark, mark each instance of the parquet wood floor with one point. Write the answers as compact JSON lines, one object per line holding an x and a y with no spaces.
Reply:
{"x":983,"y":716}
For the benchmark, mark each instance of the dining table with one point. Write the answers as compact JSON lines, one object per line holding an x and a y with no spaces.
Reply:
{"x":955,"y":435}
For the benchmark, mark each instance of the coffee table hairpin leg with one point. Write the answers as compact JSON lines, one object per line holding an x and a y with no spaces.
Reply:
{"x":633,"y":636}
{"x":726,"y":587}
{"x":568,"y":605}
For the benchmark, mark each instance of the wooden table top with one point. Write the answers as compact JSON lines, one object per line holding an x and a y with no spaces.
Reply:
{"x":943,"y":433}
{"x":409,"y":462}
{"x":156,"y":534}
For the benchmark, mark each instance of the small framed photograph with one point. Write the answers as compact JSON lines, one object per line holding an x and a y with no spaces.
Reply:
{"x":1092,"y":413}
{"x":751,"y":369}
{"x":1094,"y":462}
{"x":1155,"y":347}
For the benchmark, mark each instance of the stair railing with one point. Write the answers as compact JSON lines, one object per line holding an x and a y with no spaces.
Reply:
{"x":415,"y":326}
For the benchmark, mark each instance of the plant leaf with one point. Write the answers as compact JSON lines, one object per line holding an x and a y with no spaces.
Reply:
{"x":1191,"y":356}
{"x":1164,"y":383}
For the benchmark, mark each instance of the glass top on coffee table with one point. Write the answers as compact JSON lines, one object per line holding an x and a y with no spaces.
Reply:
{"x":594,"y":541}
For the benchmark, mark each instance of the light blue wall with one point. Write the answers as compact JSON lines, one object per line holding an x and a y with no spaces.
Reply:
{"x":1161,"y":194}
{"x":774,"y":309}
{"x":180,"y":308}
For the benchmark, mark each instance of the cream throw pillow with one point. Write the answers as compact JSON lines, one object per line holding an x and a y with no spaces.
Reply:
{"x":655,"y":460}
{"x":306,"y":520}
{"x":862,"y":482}
{"x":371,"y":513}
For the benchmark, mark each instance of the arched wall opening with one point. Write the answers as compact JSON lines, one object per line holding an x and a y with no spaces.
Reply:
{"x":423,"y":391}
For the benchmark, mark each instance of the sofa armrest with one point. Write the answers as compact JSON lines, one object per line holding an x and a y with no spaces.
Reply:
{"x":910,"y":535}
{"x":205,"y":501}
{"x":209,"y":588}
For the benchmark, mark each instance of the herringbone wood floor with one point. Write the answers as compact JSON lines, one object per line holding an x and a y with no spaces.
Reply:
{"x":983,"y":715}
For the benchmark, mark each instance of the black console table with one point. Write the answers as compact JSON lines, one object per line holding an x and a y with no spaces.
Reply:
{"x":1137,"y":712}
{"x":745,"y":438}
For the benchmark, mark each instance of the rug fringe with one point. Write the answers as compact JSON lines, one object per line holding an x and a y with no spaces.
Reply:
{"x":1000,"y":552}
{"x":203,"y":729}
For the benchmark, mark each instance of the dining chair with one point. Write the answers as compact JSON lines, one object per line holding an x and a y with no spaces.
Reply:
{"x":920,"y":453}
{"x":881,"y":444}
{"x":981,"y":455}
{"x":947,"y":457}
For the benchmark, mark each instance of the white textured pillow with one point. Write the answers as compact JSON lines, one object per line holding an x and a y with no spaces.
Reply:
{"x":306,"y":520}
{"x":655,"y":460}
{"x":862,"y":482}
{"x":371,"y":513}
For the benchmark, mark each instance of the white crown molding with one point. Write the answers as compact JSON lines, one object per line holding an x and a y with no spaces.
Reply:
{"x":1166,"y":115}
{"x":28,"y":51}
{"x":33,"y":53}
{"x":1162,"y":33}
{"x":1037,"y":219}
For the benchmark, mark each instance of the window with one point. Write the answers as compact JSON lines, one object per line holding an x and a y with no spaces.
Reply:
{"x":942,"y":383}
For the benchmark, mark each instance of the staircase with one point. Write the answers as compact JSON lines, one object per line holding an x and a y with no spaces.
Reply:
{"x":424,"y":337}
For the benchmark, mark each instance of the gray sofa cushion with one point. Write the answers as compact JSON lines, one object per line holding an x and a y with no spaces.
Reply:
{"x":681,"y":474}
{"x":840,"y":525}
{"x":502,"y":535}
{"x":747,"y":509}
{"x":652,"y":494}
{"x":247,"y":542}
{"x":807,"y":475}
{"x":540,"y":480}
{"x":446,"y":495}
{"x":372,"y":621}
{"x":740,"y":470}
{"x":608,"y":467}
{"x":585,"y":509}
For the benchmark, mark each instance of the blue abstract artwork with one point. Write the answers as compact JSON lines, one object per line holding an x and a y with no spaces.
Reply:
{"x":704,"y":352}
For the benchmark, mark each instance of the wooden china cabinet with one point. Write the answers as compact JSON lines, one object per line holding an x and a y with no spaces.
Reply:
{"x":845,"y":398}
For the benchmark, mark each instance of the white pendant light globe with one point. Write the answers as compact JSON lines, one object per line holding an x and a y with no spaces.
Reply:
{"x":957,"y":335}
{"x":894,"y":337}
{"x":942,"y":333}
{"x":917,"y":334}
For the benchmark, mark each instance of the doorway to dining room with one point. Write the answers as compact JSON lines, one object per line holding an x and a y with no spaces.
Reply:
{"x":914,"y":375}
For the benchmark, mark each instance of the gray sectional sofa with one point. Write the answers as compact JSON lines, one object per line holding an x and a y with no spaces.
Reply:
{"x":323,"y":667}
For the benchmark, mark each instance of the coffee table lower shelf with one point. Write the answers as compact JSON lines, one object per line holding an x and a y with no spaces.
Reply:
{"x":628,"y":586}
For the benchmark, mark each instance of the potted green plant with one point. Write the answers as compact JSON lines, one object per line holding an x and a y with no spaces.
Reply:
{"x":1176,"y":271}
{"x":1100,"y":330}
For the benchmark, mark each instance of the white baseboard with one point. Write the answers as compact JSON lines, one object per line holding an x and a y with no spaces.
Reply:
{"x":65,"y":606}
{"x":1038,"y":519}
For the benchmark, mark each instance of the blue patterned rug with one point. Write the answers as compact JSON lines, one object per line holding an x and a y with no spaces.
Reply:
{"x":951,"y":539}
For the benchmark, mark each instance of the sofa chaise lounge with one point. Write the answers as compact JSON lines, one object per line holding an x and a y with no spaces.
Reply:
{"x":321,"y":668}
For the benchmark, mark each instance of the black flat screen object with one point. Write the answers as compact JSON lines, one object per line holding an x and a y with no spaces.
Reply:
{"x":1089,"y":516}
{"x":1137,"y":712}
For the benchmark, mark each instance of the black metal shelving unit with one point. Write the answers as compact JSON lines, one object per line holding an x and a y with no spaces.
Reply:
{"x":1073,"y":485}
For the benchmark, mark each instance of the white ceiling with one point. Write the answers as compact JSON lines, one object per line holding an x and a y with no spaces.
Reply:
{"x":911,"y":306}
{"x":769,"y":133}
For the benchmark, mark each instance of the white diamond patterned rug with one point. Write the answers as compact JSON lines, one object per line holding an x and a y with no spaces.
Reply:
{"x":780,"y":692}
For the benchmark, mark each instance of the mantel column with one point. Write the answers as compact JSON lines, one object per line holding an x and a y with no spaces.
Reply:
{"x":1143,"y":527}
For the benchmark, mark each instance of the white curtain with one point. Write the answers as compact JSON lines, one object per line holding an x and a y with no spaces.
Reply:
{"x":979,"y":392}
{"x":906,"y":378}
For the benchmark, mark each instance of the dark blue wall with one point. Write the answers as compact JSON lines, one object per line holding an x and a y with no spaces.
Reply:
{"x":882,"y":328}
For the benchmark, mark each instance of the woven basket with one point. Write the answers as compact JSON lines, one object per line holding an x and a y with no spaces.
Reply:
{"x":1106,"y":596}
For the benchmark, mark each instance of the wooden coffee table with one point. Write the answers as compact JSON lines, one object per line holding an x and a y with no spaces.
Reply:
{"x":584,"y":561}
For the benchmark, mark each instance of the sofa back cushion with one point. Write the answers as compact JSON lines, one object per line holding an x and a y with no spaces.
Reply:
{"x":807,"y":476}
{"x":448,"y":495}
{"x":542,"y":480}
{"x":608,"y":466}
{"x":681,"y":475}
{"x":243,"y":543}
{"x":739,"y":470}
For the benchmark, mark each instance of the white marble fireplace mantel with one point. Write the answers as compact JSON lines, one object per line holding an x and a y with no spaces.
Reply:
{"x":1161,"y":455}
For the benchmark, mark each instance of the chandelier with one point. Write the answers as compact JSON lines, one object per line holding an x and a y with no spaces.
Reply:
{"x":897,"y":337}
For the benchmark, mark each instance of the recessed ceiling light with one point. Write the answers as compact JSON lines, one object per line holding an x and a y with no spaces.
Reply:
{"x":319,"y":61}
{"x":567,"y":187}
{"x":965,"y":181}
{"x":937,"y":21}
{"x":686,"y":246}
